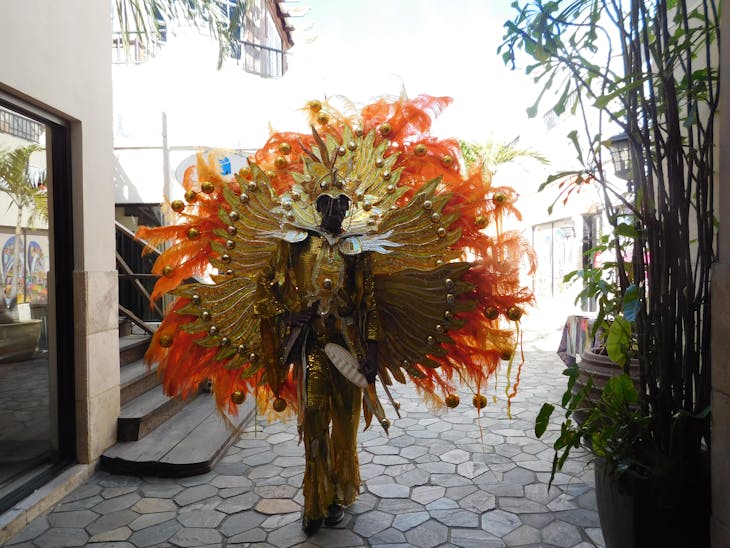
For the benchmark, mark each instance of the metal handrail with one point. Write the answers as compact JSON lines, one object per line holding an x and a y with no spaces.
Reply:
{"x":125,"y":272}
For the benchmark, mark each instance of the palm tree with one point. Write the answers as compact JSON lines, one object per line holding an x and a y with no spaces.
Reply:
{"x":28,"y":193}
{"x":494,"y":153}
{"x":223,"y":19}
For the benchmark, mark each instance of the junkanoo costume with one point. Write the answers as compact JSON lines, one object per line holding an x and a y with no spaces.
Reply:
{"x":413,"y":271}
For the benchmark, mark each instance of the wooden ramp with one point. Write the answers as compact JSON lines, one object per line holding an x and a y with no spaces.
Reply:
{"x":188,"y":444}
{"x":162,"y":436}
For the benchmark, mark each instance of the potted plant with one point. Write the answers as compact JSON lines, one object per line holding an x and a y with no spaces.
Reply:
{"x":19,"y":339}
{"x":610,"y":345}
{"x":650,"y":70}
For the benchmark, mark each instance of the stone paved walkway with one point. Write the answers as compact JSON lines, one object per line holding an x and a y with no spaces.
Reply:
{"x":436,"y":481}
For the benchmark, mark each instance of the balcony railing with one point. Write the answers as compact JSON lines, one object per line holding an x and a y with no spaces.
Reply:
{"x":136,"y":50}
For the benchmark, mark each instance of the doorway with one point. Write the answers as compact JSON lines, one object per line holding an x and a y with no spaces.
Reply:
{"x":37,"y":434}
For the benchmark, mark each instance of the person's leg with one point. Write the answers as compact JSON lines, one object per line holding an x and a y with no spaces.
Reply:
{"x":318,"y":487}
{"x":346,"y":403}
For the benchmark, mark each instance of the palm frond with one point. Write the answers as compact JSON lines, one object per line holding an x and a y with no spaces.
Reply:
{"x":149,"y":19}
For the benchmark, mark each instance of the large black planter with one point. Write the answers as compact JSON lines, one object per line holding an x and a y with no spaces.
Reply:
{"x":663,"y":510}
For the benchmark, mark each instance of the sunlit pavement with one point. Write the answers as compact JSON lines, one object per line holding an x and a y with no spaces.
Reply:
{"x":452,"y":479}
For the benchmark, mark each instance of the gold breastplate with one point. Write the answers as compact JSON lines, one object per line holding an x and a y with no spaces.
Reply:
{"x":320,"y":273}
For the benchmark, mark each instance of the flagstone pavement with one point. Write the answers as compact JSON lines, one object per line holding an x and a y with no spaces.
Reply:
{"x":452,"y":479}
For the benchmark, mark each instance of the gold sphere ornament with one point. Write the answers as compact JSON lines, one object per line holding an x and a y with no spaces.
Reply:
{"x":244,"y":172}
{"x":238,"y":397}
{"x":491,"y":312}
{"x":177,"y":206}
{"x":481,"y":221}
{"x":396,"y":405}
{"x":207,"y":187}
{"x":420,"y":149}
{"x":191,"y":196}
{"x":165,"y":341}
{"x":168,"y":271}
{"x":385,"y":129}
{"x":499,"y":198}
{"x":452,"y":400}
{"x":323,"y":118}
{"x":479,"y":401}
{"x":284,"y":148}
{"x":193,"y":233}
{"x":447,"y":160}
{"x":514,"y":313}
{"x":385,"y":423}
{"x":314,"y":105}
{"x":279,"y":405}
{"x":280,"y":162}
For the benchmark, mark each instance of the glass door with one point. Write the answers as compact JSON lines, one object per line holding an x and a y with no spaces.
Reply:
{"x":36,"y":404}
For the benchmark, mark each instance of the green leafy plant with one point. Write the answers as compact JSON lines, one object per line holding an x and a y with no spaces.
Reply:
{"x":614,"y":329}
{"x":650,"y":70}
{"x":613,"y":428}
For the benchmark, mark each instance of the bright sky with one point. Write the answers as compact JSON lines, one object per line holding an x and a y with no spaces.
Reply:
{"x":437,"y":47}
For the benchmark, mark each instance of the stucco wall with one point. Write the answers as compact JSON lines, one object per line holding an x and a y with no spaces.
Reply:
{"x":56,"y":55}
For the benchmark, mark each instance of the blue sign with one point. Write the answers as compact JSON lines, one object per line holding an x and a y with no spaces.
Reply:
{"x":225,"y":165}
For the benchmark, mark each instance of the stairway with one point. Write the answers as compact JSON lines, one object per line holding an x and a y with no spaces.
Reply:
{"x":162,"y":436}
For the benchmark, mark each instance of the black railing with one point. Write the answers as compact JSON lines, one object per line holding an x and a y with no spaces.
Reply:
{"x":135,"y":280}
{"x":20,"y":126}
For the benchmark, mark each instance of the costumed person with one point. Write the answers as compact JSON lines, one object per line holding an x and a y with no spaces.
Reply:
{"x":352,"y":253}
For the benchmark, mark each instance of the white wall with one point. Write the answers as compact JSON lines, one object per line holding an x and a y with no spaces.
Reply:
{"x":56,"y":56}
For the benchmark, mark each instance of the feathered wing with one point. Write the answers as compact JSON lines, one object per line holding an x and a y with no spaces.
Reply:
{"x":430,"y":304}
{"x":213,"y":330}
{"x":447,"y":277}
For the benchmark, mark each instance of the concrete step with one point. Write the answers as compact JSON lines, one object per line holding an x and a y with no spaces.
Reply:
{"x":136,"y":379}
{"x":146,"y":412}
{"x":187,"y":444}
{"x":132,"y":348}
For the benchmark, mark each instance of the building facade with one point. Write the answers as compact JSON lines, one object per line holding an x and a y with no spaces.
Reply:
{"x":59,"y":405}
{"x":55,"y":72}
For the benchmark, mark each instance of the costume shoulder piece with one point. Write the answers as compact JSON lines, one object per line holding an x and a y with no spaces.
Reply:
{"x":446,"y":278}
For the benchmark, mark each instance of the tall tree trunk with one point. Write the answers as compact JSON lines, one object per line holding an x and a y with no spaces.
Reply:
{"x":13,"y":297}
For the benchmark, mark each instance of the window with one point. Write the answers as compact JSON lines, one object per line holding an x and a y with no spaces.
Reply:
{"x":263,"y":49}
